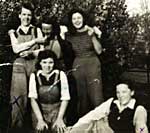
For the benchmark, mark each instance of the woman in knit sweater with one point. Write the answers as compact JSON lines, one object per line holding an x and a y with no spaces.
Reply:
{"x":86,"y":65}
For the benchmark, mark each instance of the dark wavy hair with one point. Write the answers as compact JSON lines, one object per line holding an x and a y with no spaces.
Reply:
{"x":27,"y":5}
{"x":55,"y":26}
{"x":129,"y":83}
{"x":44,"y":55}
{"x":14,"y":20}
{"x":71,"y":28}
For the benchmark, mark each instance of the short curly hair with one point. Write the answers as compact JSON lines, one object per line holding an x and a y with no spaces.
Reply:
{"x":44,"y":55}
{"x":55,"y":26}
{"x":129,"y":83}
{"x":27,"y":5}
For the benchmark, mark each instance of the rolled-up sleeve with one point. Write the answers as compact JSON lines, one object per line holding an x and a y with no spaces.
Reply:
{"x":140,"y":120}
{"x":65,"y":95}
{"x":32,"y":87}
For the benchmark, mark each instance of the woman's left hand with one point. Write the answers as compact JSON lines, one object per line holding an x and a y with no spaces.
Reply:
{"x":60,"y":126}
{"x":90,"y":30}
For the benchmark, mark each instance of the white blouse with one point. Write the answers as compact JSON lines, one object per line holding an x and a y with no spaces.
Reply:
{"x":65,"y":95}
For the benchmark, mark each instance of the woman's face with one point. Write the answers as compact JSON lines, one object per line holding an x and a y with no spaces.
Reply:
{"x":47,"y":65}
{"x":124,"y":94}
{"x":46,"y":29}
{"x":25,"y":16}
{"x":77,"y":20}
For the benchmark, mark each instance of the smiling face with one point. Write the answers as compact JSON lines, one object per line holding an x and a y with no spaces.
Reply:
{"x":46,"y":29}
{"x":124,"y":94}
{"x":47,"y":65}
{"x":77,"y":20}
{"x":25,"y":16}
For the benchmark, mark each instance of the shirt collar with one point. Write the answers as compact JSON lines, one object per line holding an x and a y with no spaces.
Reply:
{"x":129,"y":105}
{"x":39,"y":72}
{"x":54,"y":71}
{"x":22,"y":32}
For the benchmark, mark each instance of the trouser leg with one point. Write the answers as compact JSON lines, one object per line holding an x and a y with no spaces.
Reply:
{"x":83,"y":101}
{"x":18,"y":97}
{"x":94,"y":81}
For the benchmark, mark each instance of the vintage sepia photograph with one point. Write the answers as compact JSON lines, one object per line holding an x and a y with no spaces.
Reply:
{"x":74,"y":66}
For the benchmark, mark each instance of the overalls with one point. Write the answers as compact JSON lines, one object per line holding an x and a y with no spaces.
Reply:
{"x":48,"y":99}
{"x":22,"y":68}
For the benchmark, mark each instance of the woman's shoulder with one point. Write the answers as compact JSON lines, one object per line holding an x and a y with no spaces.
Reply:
{"x":38,"y":72}
{"x":57,"y":71}
{"x":140,"y":108}
{"x":139,"y":104}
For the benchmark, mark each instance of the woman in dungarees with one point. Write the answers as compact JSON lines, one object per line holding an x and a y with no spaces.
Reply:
{"x":86,"y":65}
{"x":49,"y":94}
{"x":26,"y":43}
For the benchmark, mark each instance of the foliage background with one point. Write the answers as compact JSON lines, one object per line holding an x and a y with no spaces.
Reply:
{"x":125,"y":39}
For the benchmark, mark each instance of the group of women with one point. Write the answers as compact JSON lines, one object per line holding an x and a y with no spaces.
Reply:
{"x":40,"y":80}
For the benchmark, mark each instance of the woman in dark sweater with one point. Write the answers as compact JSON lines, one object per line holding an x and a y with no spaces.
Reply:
{"x":51,"y":30}
{"x":86,"y":65}
{"x":124,"y":114}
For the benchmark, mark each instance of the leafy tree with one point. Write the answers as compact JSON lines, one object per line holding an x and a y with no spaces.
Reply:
{"x":118,"y":33}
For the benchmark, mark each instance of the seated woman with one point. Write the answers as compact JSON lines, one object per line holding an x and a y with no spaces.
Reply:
{"x":49,"y":94}
{"x":123,"y":113}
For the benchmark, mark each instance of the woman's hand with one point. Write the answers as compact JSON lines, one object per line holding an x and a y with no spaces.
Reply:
{"x":41,"y":125}
{"x":68,"y":129}
{"x":59,"y":126}
{"x":97,"y":31}
{"x":63,"y":30}
{"x":90,"y":30}
{"x":41,"y":40}
{"x":25,"y":53}
{"x":93,"y":30}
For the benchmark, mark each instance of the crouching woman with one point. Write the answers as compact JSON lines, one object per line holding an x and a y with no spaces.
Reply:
{"x":49,"y":94}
